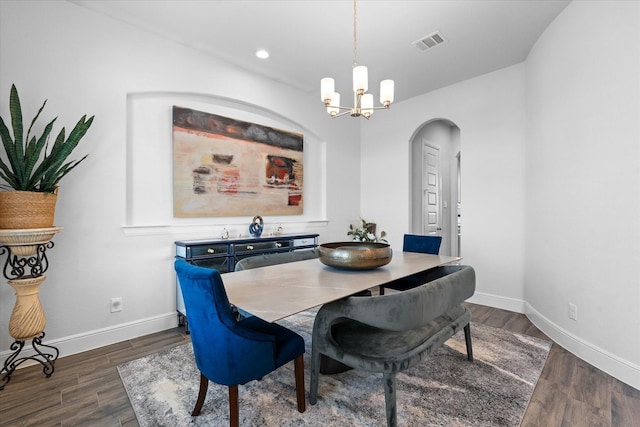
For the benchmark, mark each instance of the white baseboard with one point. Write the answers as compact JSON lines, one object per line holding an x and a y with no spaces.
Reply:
{"x":101,"y":337}
{"x":505,"y":303}
{"x":613,"y":365}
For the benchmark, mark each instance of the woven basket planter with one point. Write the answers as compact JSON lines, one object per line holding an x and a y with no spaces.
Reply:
{"x":27,"y":209}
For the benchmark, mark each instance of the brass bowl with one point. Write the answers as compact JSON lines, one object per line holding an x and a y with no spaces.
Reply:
{"x":355,"y":255}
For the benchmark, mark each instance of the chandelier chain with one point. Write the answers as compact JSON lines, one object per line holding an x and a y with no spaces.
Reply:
{"x":355,"y":38}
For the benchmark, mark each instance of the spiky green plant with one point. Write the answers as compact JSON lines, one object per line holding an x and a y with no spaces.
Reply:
{"x":32,"y":166}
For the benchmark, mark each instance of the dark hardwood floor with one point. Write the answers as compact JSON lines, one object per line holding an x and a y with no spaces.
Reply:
{"x":85,"y":389}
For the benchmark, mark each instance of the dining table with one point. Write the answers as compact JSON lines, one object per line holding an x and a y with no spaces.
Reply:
{"x":278,"y":291}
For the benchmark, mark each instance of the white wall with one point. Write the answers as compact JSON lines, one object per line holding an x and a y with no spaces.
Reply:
{"x":84,"y":62}
{"x":583,"y":183}
{"x":550,"y":181}
{"x":489,"y":110}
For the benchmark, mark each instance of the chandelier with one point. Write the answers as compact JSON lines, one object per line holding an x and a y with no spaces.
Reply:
{"x":362,"y":101}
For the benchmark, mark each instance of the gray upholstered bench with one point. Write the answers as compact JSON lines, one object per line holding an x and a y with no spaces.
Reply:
{"x":391,"y":333}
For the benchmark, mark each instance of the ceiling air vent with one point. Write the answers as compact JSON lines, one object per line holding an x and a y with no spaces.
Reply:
{"x":430,"y":41}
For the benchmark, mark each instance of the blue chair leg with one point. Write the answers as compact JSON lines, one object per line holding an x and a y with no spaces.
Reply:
{"x":298,"y":366}
{"x":234,"y":412}
{"x":390,"y":398}
{"x":204,"y":385}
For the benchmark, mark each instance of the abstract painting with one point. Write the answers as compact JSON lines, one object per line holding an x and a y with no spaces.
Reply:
{"x":228,"y":167}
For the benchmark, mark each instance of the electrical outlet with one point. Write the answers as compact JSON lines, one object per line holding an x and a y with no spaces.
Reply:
{"x":573,"y":311}
{"x":116,"y":304}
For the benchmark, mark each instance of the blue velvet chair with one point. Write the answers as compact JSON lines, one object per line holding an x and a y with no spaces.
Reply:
{"x":230,"y":351}
{"x":415,"y":243}
{"x":422,"y":244}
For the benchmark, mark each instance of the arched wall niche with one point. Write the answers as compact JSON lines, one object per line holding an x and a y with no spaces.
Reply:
{"x":150,"y":157}
{"x":438,"y":137}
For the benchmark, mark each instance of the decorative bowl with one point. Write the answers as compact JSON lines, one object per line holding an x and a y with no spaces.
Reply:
{"x":355,"y":255}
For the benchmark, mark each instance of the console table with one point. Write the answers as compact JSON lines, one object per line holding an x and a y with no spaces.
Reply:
{"x":223,"y":254}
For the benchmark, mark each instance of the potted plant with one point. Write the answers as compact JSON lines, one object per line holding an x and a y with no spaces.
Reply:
{"x":33,"y":168}
{"x":365,"y":232}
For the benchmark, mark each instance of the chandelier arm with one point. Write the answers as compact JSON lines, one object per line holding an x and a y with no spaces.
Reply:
{"x":358,"y":108}
{"x":341,"y":114}
{"x":357,"y":100}
{"x":340,"y":107}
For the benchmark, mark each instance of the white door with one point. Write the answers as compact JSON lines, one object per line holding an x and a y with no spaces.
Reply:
{"x":431,"y":209}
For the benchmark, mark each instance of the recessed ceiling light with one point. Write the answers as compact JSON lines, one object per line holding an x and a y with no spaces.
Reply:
{"x":262,"y":54}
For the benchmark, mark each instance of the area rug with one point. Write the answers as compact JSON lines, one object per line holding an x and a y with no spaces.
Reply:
{"x":444,"y":390}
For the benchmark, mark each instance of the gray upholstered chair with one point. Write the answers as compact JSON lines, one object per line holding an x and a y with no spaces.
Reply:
{"x":391,"y":333}
{"x":276,"y":258}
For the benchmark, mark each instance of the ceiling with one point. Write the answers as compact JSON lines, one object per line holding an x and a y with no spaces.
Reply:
{"x":311,"y":39}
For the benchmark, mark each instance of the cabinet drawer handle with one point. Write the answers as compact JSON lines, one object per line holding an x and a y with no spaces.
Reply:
{"x":211,"y":251}
{"x":250,"y":247}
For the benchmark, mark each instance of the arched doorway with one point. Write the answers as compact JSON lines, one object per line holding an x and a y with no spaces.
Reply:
{"x":435,"y":183}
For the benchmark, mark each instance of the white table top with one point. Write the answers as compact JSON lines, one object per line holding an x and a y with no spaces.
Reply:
{"x":278,"y":291}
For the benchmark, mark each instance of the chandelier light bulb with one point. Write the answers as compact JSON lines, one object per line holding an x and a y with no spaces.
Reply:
{"x":360,"y":79}
{"x":334,"y":104}
{"x":327,"y":89}
{"x":386,"y":92}
{"x":367,"y":105}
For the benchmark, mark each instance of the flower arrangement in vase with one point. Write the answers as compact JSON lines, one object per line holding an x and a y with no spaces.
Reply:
{"x":365,"y":232}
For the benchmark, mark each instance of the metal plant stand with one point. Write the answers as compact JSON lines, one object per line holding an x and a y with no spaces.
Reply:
{"x":24,"y":269}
